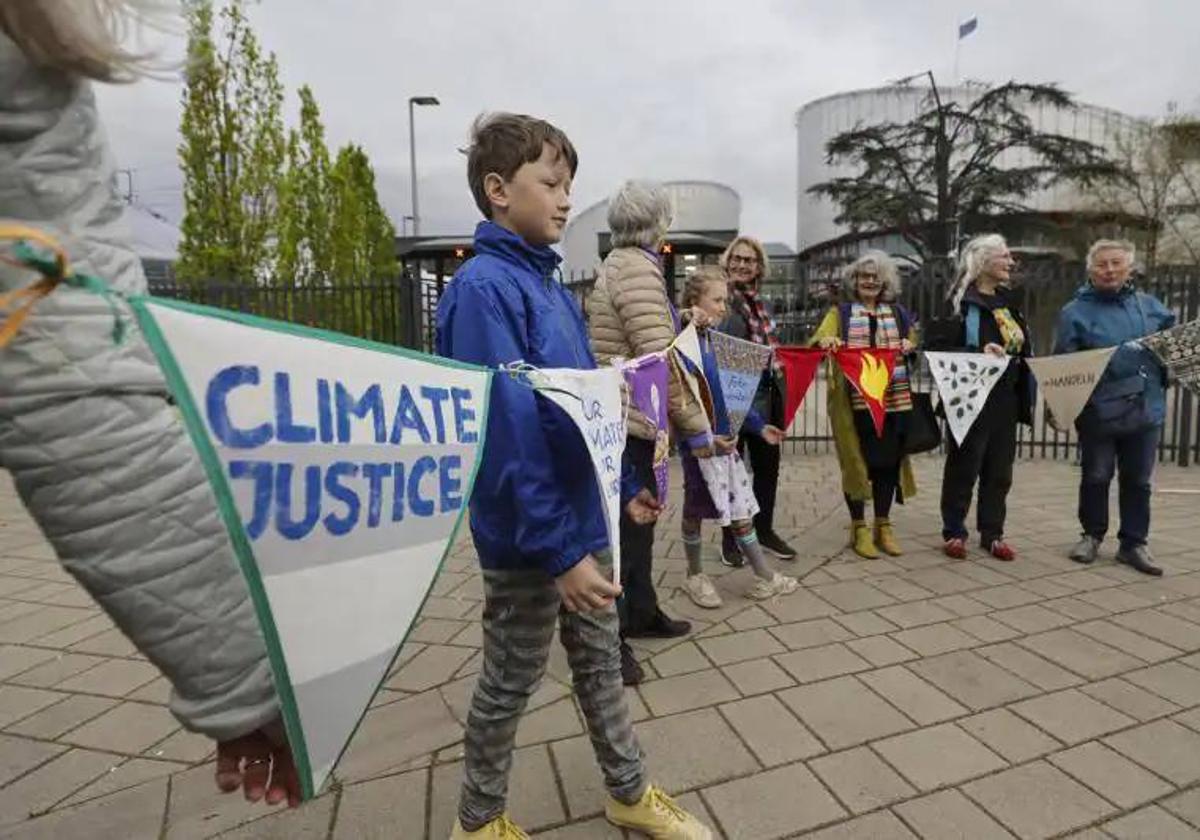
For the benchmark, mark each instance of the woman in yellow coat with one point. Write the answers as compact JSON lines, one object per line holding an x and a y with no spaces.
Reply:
{"x":873,"y":466}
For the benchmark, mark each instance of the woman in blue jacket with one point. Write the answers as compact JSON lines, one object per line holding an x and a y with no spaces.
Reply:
{"x":1120,"y":426}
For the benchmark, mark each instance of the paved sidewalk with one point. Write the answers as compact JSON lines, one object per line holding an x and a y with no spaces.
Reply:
{"x":900,"y":698}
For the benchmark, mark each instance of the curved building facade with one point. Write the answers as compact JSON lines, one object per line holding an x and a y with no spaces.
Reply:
{"x":822,"y":119}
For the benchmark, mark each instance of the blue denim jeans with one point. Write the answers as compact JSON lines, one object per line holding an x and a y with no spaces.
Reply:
{"x":1132,"y":457}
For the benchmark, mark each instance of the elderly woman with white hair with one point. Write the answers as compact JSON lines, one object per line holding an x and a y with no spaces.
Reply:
{"x":629,"y":316}
{"x":1120,"y":425}
{"x":873,"y":466}
{"x":989,"y":322}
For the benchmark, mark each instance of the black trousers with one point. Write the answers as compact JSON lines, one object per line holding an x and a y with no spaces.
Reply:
{"x":986,"y":456}
{"x":764,"y":463}
{"x":638,"y":604}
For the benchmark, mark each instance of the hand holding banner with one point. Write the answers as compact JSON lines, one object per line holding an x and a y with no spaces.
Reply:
{"x":647,"y":378}
{"x":869,"y":372}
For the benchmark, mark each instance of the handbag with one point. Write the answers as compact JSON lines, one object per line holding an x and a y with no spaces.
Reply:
{"x":923,"y":432}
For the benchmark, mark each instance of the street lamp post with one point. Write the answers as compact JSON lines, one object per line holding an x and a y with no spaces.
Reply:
{"x":412,"y":155}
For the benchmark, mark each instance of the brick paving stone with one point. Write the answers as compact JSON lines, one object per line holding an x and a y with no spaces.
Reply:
{"x":1031,"y":618}
{"x":1130,"y":699}
{"x":843,"y":712}
{"x":20,"y":755}
{"x":1114,"y":600}
{"x":770,"y":731}
{"x":1037,"y":800}
{"x":948,"y":815}
{"x":594,"y":829}
{"x":1008,"y":735}
{"x":853,"y":596}
{"x":1172,"y":680}
{"x":127,"y":728}
{"x":1190,"y":719}
{"x":36,"y":792}
{"x":962,"y":605}
{"x":772,"y":804}
{"x":533,"y":802}
{"x":738,"y":647}
{"x":985,"y":629}
{"x":806,"y":634}
{"x":111,"y":678}
{"x":17,"y":702}
{"x":1071,"y":716}
{"x":111,"y":643}
{"x":134,"y":814}
{"x":820,"y":663}
{"x":41,"y":622}
{"x":860,"y":780}
{"x":972,"y":680}
{"x":128,"y":773}
{"x":1110,"y":774}
{"x":879,"y":826}
{"x":1185,"y":805}
{"x":938,"y":756}
{"x":1080,"y":654}
{"x":60,"y":667}
{"x":183,"y":746}
{"x":799,"y":606}
{"x":433,"y":666}
{"x":14,"y":659}
{"x":1006,"y":597}
{"x":1122,"y":638}
{"x":982,"y":574}
{"x":915,"y":614}
{"x":881,"y":650}
{"x":682,"y":752}
{"x":686,"y":692}
{"x":942,"y":581}
{"x":934,"y":639}
{"x":308,"y":823}
{"x":757,"y":676}
{"x":912,"y":695}
{"x":899,"y":588}
{"x":1164,"y":747}
{"x":1075,"y":609}
{"x":1150,"y":823}
{"x":1159,"y":625}
{"x":751,"y":618}
{"x":55,"y":720}
{"x":1047,"y":588}
{"x":1030,"y":667}
{"x":865,"y":623}
{"x":681,"y":659}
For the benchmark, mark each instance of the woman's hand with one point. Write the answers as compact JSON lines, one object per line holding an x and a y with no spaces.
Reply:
{"x":700,"y":318}
{"x":993,"y":349}
{"x":906,"y":346}
{"x":260,"y":763}
{"x":772,"y":435}
{"x":724,"y":445}
{"x":643,"y":508}
{"x":829,"y":342}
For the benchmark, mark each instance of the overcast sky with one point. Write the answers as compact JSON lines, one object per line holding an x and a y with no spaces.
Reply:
{"x":665,"y":89}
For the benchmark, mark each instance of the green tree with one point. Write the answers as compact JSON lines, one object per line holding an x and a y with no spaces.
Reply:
{"x":955,"y":163}
{"x":305,"y":203}
{"x":232,"y":149}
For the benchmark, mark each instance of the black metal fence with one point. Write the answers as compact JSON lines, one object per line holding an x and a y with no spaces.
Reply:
{"x":401,"y":310}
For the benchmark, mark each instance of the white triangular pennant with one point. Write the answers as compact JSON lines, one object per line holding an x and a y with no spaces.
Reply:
{"x":592,"y":399}
{"x":342,"y":470}
{"x":1066,"y":381}
{"x":964,"y":381}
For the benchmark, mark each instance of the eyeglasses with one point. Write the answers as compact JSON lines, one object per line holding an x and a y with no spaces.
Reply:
{"x":738,"y":259}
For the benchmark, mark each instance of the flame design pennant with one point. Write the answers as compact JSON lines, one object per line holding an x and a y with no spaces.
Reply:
{"x":870,"y":373}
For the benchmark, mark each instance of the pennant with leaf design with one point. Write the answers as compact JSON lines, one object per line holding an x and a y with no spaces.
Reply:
{"x":964,"y":381}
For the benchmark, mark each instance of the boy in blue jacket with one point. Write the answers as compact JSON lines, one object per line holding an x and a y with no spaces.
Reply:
{"x":536,"y":514}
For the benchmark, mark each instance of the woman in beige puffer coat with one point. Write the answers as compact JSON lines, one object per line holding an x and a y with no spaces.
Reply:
{"x":629,"y":316}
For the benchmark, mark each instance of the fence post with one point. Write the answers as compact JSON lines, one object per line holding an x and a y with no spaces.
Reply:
{"x":1183,"y":449}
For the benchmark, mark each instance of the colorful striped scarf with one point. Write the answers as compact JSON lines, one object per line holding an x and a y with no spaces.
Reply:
{"x":887,"y":334}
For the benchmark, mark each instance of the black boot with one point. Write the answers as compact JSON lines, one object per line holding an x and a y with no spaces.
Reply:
{"x":1140,"y":558}
{"x":660,"y":627}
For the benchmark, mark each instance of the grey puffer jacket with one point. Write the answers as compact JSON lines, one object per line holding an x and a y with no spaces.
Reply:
{"x":99,"y":455}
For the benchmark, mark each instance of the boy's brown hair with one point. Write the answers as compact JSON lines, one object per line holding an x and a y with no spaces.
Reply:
{"x":503,"y":143}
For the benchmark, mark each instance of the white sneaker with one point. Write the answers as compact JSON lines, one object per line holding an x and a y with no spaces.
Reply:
{"x":764,"y":589}
{"x":702,"y":592}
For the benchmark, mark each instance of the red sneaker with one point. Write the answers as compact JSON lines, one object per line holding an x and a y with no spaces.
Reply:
{"x":1002,"y":551}
{"x":956,"y":548}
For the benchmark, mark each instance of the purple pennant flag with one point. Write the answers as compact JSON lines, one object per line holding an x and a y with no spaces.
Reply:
{"x":647,"y":378}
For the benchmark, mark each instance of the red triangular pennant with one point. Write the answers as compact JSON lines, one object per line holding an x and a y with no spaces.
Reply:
{"x":799,"y":369}
{"x":870,"y":372}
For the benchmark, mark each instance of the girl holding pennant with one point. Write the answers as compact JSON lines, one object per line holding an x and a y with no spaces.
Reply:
{"x":988,"y":322}
{"x":871,"y":455}
{"x":716,"y":486}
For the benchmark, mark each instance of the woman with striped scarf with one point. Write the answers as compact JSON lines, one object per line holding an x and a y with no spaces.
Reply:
{"x":873,"y":466}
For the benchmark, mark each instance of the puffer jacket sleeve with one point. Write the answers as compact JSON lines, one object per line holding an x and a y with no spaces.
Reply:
{"x":98,"y":453}
{"x":640,"y":301}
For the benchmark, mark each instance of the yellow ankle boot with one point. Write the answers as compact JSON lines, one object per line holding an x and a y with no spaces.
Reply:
{"x":885,"y":538}
{"x":861,"y":541}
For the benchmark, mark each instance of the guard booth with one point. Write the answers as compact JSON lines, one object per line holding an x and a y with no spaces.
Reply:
{"x":426,"y":265}
{"x":682,"y":253}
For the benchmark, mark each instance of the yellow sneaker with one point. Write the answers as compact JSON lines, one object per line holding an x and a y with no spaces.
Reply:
{"x":501,"y":828}
{"x":658,"y":816}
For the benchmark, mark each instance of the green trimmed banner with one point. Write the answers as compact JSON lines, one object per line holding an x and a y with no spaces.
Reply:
{"x":342,"y":469}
